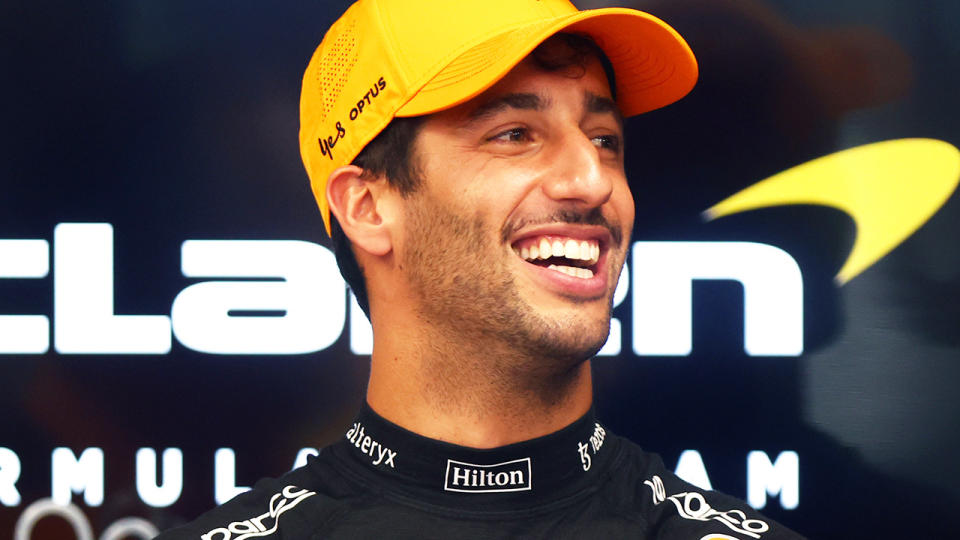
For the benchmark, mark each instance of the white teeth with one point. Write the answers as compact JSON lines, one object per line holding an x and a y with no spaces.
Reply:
{"x":546,"y":251}
{"x":557,"y":248}
{"x":585,"y":251}
{"x":576,"y":250}
{"x":582,"y":273}
{"x":571,"y":249}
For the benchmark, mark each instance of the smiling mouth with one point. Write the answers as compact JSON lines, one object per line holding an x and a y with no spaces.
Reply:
{"x":575,"y":257}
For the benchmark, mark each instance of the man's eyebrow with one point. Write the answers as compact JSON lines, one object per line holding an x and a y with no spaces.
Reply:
{"x":524,"y":101}
{"x":593,"y":103}
{"x":597,"y":104}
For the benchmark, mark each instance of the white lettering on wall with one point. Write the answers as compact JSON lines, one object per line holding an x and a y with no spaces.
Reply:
{"x":306,"y":295}
{"x":662,"y":297}
{"x":780,"y":477}
{"x":71,"y":475}
{"x":167,"y":492}
{"x":9,"y":474}
{"x":224,"y":476}
{"x":83,"y":298}
{"x":24,"y":334}
{"x":86,"y":474}
{"x":690,"y":468}
{"x":286,"y":297}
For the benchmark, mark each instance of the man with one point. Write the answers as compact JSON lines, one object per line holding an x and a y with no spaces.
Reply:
{"x":467,"y":158}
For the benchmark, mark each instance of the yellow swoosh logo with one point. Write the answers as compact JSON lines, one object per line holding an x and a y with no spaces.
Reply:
{"x":889,"y":188}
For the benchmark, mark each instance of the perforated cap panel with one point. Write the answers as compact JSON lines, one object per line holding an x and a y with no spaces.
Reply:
{"x":339,"y":57}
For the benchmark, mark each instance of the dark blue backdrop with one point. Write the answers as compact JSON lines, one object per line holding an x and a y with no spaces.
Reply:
{"x":175,"y":121}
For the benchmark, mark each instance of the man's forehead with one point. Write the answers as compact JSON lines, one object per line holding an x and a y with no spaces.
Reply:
{"x":523,"y":88}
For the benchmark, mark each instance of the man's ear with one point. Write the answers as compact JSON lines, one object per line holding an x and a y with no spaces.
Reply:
{"x":356,"y":202}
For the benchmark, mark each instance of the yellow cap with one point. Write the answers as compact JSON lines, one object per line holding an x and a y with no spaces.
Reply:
{"x":388,"y":58}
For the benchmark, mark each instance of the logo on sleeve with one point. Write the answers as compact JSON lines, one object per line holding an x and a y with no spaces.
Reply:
{"x":497,"y":478}
{"x":264,"y":524}
{"x":694,"y":506}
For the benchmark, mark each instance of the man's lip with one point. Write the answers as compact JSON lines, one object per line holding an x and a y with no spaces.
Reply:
{"x":576,"y":232}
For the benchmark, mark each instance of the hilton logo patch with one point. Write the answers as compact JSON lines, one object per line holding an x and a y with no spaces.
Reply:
{"x":497,"y":478}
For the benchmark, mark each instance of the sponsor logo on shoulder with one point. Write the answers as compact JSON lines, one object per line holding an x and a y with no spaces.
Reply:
{"x":379,"y":454}
{"x":496,"y":478}
{"x":264,"y":524}
{"x":694,"y":506}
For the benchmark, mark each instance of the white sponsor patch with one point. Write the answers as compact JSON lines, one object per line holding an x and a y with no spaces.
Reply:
{"x":496,"y":478}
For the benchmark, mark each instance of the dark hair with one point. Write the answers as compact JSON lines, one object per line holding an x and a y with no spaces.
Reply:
{"x":391,"y":154}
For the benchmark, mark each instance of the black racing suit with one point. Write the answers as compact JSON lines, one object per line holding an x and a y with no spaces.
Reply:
{"x":382,"y":481}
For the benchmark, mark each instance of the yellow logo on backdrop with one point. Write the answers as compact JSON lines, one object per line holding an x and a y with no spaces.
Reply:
{"x":890,"y":189}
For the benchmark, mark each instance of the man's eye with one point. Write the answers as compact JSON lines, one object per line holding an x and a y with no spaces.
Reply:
{"x":608,"y":142}
{"x":512,"y":135}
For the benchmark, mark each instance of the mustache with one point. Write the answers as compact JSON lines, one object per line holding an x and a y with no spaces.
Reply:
{"x":569,"y":216}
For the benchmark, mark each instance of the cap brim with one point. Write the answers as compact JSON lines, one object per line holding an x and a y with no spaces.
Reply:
{"x":653,"y":65}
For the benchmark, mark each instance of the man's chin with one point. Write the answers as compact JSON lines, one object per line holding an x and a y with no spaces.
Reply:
{"x":574,"y":338}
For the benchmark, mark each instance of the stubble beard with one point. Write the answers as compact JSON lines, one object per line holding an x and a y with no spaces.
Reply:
{"x":481,"y":329}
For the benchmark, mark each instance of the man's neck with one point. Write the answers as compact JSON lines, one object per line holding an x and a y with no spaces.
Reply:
{"x":481,"y":398}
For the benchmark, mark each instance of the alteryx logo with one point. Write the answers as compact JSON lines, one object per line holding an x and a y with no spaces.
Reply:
{"x":286,"y":297}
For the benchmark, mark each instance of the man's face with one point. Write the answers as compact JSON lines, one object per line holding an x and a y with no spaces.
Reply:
{"x":520,"y":226}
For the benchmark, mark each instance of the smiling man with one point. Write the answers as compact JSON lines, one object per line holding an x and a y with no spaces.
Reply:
{"x":467,"y":158}
{"x":491,"y":282}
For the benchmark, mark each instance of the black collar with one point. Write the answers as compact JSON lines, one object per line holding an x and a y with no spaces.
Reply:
{"x":391,"y":459}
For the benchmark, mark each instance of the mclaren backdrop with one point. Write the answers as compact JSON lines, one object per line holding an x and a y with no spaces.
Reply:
{"x":173,"y":326}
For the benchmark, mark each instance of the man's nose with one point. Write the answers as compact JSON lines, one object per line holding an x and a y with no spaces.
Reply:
{"x":577,"y":175}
